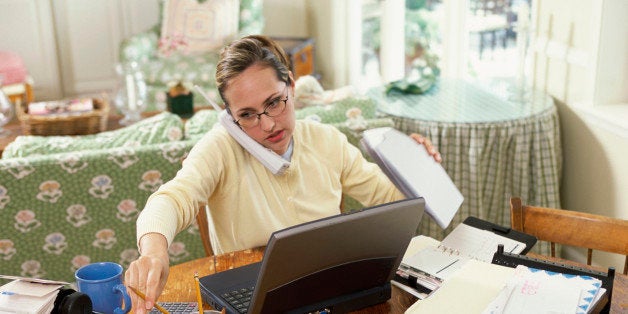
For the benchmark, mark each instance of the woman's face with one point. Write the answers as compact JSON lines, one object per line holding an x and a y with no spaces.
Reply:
{"x":250,"y":93}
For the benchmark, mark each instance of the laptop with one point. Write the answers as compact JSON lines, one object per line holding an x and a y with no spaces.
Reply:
{"x":336,"y":264}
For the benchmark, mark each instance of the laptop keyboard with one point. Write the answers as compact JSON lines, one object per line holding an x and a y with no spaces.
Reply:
{"x":239,"y":299}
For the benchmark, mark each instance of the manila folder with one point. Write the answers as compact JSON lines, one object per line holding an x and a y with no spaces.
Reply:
{"x":470,"y":290}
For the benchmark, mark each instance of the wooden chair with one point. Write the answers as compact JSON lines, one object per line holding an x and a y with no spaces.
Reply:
{"x":203,"y":228}
{"x":585,"y":230}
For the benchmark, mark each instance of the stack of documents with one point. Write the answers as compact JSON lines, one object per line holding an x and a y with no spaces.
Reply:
{"x":469,"y":290}
{"x":28,"y":295}
{"x":532,"y":290}
{"x":479,"y":287}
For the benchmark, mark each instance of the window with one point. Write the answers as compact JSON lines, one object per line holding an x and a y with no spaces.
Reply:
{"x":460,"y":38}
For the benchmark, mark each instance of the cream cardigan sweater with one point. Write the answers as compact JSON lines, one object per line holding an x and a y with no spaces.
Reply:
{"x":247,"y":202}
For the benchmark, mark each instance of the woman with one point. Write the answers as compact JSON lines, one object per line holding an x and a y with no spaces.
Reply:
{"x":247,"y":201}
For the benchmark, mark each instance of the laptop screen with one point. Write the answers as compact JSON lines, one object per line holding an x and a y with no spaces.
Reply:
{"x":326,"y":259}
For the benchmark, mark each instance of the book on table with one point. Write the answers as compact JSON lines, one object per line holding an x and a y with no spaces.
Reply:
{"x":28,"y":295}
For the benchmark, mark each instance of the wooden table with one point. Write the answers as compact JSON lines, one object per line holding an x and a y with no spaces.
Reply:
{"x":180,"y":286}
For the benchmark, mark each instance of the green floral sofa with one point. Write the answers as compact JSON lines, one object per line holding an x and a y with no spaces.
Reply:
{"x":67,"y":201}
{"x":163,"y":71}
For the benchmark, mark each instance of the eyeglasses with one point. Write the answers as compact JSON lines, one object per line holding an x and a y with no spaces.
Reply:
{"x":275,"y":107}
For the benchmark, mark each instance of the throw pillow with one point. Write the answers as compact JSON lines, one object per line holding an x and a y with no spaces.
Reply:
{"x":195,"y":27}
{"x":162,"y":128}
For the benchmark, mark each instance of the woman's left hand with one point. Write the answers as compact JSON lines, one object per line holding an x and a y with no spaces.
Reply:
{"x":428,"y":146}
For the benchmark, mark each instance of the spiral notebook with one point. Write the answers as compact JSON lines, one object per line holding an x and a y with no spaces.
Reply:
{"x":473,"y":239}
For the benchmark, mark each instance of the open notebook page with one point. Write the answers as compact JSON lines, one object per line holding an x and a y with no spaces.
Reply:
{"x":479,"y":244}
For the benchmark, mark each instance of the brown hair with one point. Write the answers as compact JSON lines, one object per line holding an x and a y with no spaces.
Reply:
{"x":239,"y":55}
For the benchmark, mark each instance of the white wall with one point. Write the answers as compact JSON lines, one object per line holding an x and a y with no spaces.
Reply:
{"x":87,"y":54}
{"x":286,"y":18}
{"x":583,"y":62}
{"x":323,"y":20}
{"x":612,"y":82}
{"x":26,"y":28}
{"x":70,"y":46}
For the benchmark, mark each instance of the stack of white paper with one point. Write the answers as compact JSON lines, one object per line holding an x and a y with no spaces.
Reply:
{"x":27,"y":295}
{"x":534,"y":291}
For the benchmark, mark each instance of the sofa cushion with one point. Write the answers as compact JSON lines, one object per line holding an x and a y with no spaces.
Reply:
{"x":162,"y":73}
{"x":251,"y":17}
{"x":139,"y":48}
{"x":201,"y":122}
{"x":340,"y":111}
{"x":194,"y":69}
{"x":164,"y":127}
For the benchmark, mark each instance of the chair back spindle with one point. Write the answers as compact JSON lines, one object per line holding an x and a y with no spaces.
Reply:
{"x":203,"y":228}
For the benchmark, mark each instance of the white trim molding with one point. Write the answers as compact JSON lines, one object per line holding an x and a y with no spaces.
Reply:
{"x":613,"y":118}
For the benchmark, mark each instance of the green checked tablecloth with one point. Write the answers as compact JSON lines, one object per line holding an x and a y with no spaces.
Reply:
{"x":497,"y":141}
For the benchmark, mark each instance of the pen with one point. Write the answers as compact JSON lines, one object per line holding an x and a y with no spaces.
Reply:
{"x":198,"y":293}
{"x":514,"y":248}
{"x":448,"y":266}
{"x":141,"y":295}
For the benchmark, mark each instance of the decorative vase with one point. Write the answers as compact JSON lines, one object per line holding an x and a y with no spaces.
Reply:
{"x":130,"y":96}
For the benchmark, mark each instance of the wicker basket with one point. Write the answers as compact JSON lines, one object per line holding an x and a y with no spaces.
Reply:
{"x":91,"y":122}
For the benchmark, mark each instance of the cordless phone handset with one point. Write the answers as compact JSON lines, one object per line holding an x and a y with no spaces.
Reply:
{"x":271,"y":160}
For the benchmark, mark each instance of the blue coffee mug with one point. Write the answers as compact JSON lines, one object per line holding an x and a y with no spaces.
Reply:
{"x":102,"y":282}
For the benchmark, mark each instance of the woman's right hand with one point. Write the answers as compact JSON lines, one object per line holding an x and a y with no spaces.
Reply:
{"x":149,"y":272}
